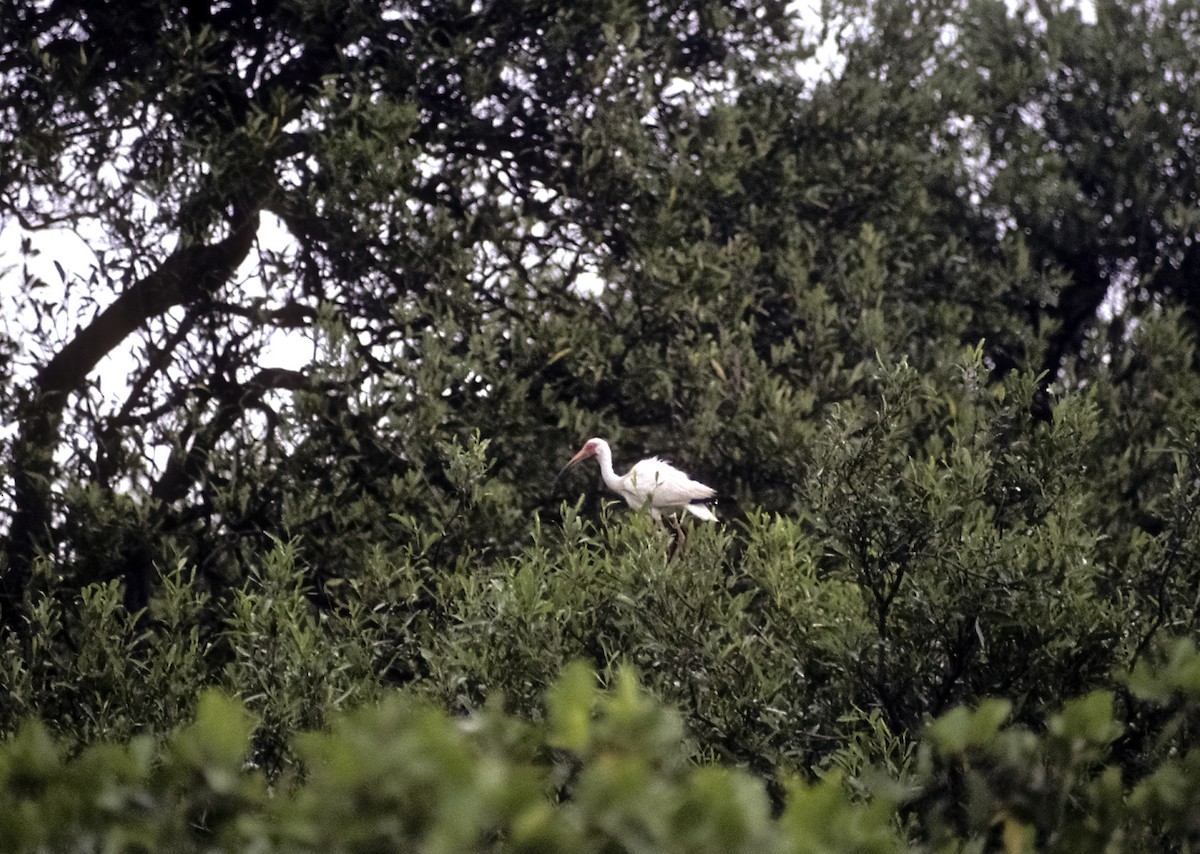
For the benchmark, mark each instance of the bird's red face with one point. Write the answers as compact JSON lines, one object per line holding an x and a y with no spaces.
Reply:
{"x":588,"y":450}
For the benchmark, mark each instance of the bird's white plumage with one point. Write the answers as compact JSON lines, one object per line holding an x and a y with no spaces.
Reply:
{"x":651,"y":483}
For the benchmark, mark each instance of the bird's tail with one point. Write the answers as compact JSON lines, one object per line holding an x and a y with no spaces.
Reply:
{"x":701,"y":511}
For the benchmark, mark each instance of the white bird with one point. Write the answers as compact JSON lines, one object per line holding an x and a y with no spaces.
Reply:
{"x":651,"y":483}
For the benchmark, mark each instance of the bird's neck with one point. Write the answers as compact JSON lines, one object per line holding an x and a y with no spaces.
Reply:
{"x":604,"y":458}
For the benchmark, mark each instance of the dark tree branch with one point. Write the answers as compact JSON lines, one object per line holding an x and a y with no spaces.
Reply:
{"x":184,"y":277}
{"x":184,"y":467}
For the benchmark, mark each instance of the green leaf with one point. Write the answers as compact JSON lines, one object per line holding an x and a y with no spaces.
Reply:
{"x":1088,"y":719}
{"x":961,"y":728}
{"x":569,"y":704}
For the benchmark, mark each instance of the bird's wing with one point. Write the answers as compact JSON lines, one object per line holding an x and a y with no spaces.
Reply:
{"x":669,"y":486}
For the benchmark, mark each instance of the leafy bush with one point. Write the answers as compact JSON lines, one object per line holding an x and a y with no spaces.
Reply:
{"x":497,"y":233}
{"x":603,"y":771}
{"x":946,"y":547}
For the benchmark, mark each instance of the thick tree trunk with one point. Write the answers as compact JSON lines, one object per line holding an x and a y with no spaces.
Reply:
{"x":1078,"y":306}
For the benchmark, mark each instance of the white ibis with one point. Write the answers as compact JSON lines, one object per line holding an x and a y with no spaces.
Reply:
{"x":651,"y":483}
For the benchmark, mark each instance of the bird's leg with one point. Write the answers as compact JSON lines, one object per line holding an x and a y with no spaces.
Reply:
{"x":678,"y":538}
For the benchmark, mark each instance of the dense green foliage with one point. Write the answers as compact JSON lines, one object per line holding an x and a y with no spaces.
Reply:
{"x":927,"y":319}
{"x":602,"y":772}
